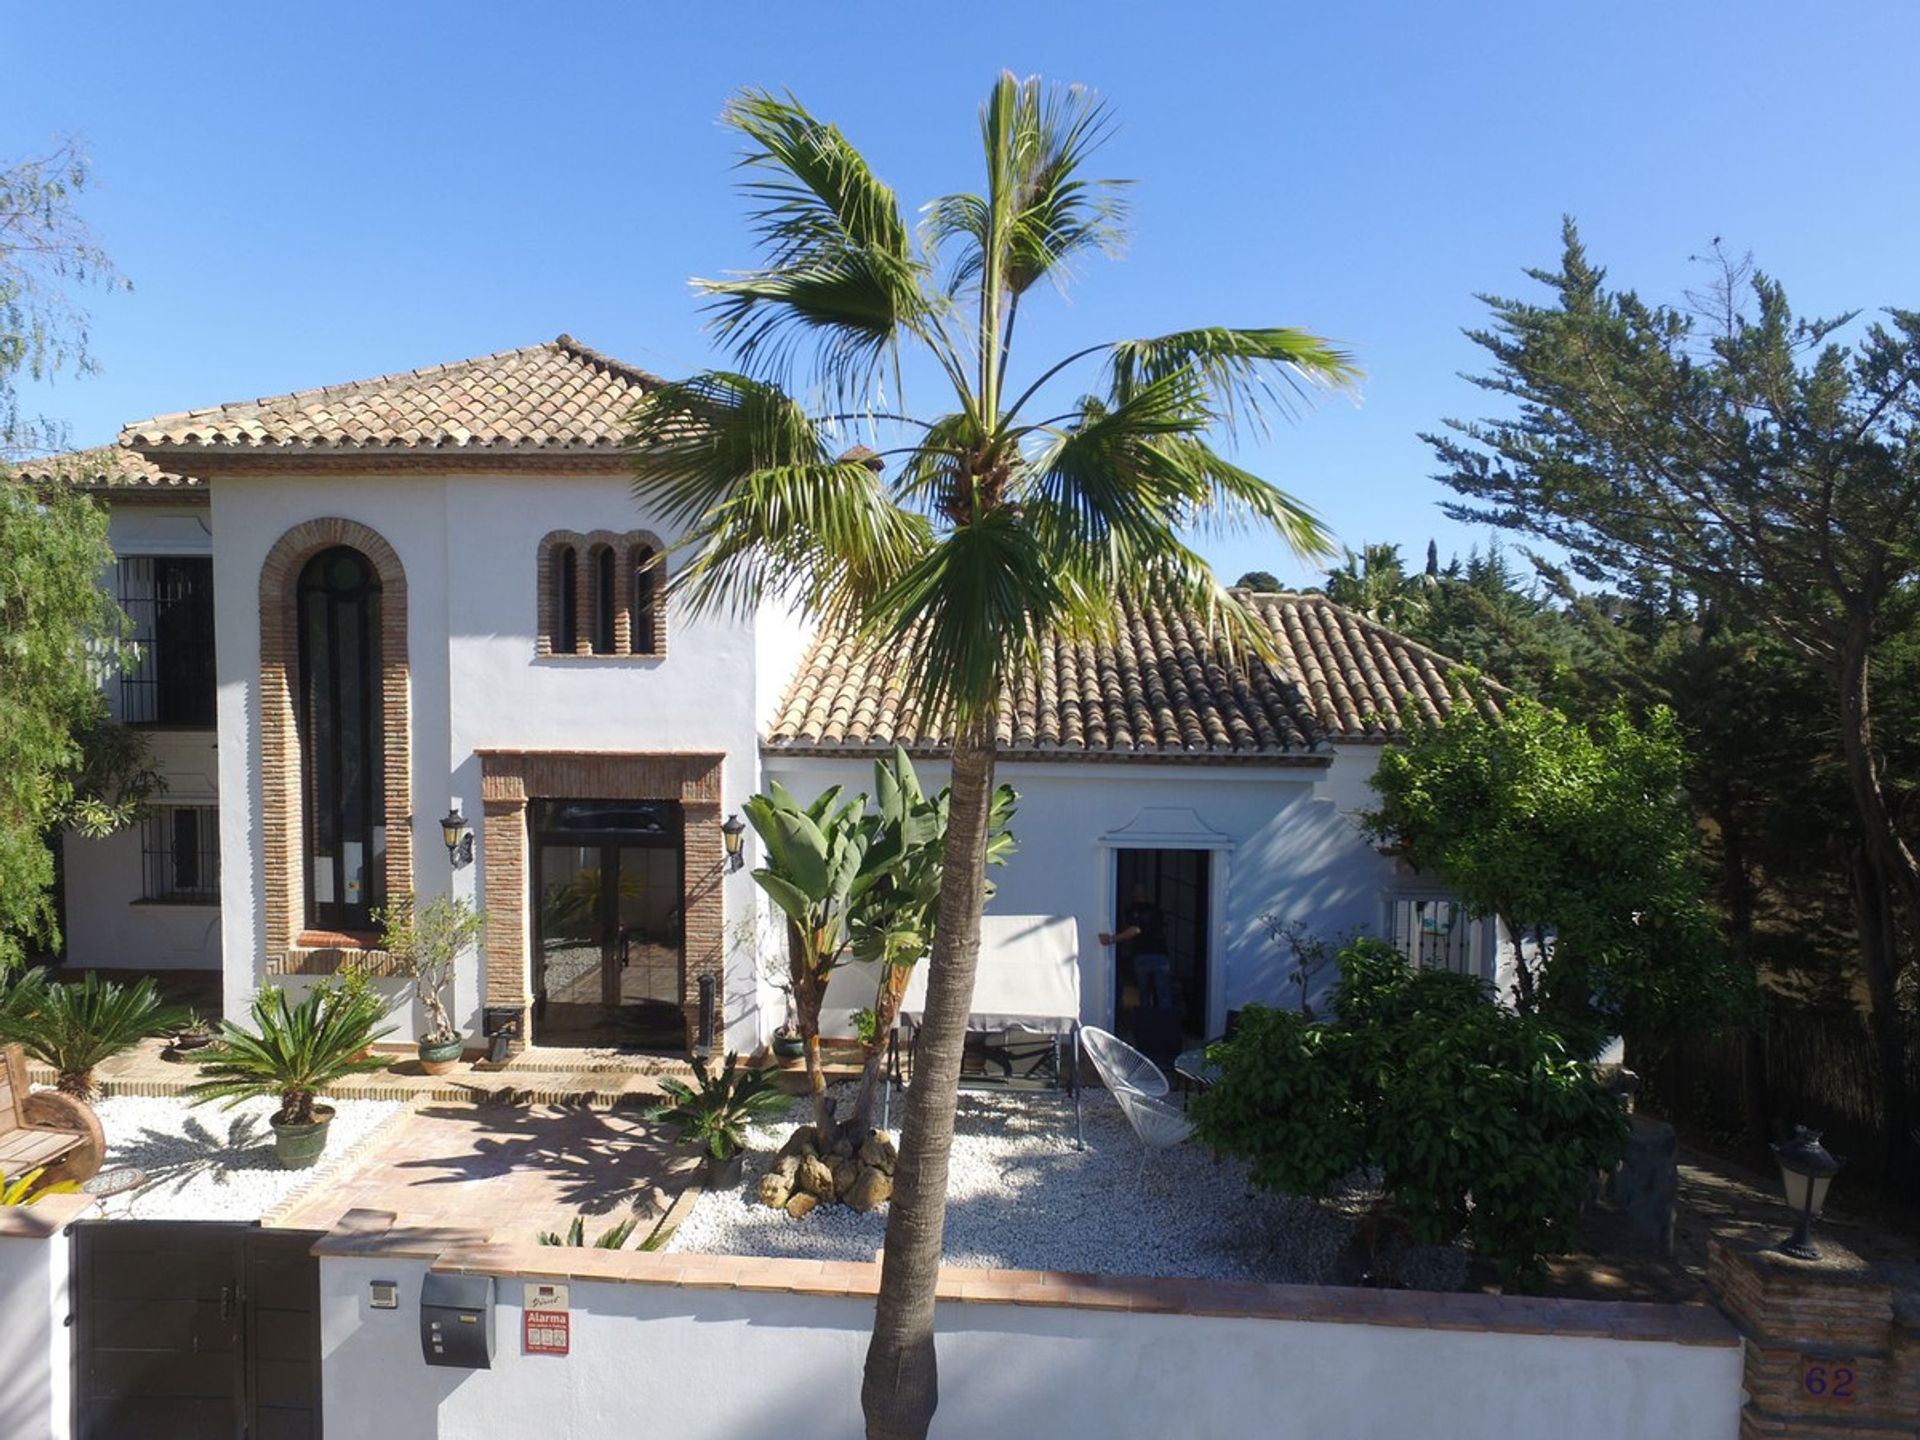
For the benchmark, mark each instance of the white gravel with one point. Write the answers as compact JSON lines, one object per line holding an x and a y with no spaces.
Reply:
{"x":1021,"y":1197}
{"x":207,"y":1163}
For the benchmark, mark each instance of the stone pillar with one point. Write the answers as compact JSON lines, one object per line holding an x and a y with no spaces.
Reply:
{"x":1832,"y":1348}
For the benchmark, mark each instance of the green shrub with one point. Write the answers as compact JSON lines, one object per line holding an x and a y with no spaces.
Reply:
{"x":1284,"y":1102}
{"x":293,"y":1053}
{"x":1478,"y":1119}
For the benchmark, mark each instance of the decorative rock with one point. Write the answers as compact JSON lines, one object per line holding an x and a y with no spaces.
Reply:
{"x":786,"y":1167}
{"x":845,"y":1172}
{"x":814,"y":1178}
{"x":877,"y":1152}
{"x":874,"y":1187}
{"x":799,"y":1206}
{"x":775,"y":1190}
{"x":803,"y":1141}
{"x":841,"y":1149}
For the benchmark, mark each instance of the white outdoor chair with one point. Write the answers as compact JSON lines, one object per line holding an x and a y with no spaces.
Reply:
{"x":1121,"y":1066}
{"x":1159,"y":1125}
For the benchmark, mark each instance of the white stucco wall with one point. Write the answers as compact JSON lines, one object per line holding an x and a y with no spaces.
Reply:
{"x":1284,"y":842}
{"x":106,"y":926}
{"x":719,"y":1363}
{"x":36,"y":1358}
{"x":469,"y":545}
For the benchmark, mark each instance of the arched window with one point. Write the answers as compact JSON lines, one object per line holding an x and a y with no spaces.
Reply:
{"x":564,"y":637}
{"x":342,"y":740}
{"x":604,"y":594}
{"x":645,"y":634}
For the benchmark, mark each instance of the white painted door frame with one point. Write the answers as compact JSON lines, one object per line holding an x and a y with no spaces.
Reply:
{"x":1170,"y":828}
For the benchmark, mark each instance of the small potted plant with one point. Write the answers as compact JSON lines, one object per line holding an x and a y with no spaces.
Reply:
{"x":292,"y":1054}
{"x":715,"y":1116}
{"x":196,"y":1032}
{"x":424,"y":942}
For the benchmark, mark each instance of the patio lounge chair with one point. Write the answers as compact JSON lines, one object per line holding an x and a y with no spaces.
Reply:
{"x":1120,"y":1065}
{"x":1139,"y":1087}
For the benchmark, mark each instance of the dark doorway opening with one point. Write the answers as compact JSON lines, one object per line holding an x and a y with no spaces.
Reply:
{"x":1162,"y":1007}
{"x":608,"y":904}
{"x":195,"y":1330}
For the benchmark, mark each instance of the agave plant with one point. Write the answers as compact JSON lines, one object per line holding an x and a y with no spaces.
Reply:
{"x":293,"y":1051}
{"x":26,"y":1189}
{"x":614,"y":1238}
{"x":75,"y":1027}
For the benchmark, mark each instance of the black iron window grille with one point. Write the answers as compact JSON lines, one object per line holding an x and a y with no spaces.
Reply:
{"x":180,"y":854}
{"x":170,"y":680}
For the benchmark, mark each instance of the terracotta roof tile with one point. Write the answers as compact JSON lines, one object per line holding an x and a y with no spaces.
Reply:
{"x":557,"y":396}
{"x":1160,"y":691}
{"x":104,"y":467}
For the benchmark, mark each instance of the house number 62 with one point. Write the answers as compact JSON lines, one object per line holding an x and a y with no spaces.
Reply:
{"x":1828,"y":1382}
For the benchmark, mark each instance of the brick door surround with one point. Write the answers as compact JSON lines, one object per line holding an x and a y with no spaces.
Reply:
{"x":510,"y":779}
{"x":281,"y":823}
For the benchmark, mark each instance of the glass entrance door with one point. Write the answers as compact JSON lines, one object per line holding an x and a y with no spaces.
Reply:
{"x":608,"y":958}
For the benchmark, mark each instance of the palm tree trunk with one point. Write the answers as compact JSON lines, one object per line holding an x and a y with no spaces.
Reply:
{"x":901,"y":1386}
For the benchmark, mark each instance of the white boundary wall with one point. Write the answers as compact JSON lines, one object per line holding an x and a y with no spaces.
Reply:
{"x":693,"y":1363}
{"x":36,"y":1355}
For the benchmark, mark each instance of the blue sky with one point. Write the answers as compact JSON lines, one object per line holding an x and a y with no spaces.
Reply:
{"x":315,"y":195}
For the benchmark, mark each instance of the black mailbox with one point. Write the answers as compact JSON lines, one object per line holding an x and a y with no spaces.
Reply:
{"x":456,"y":1321}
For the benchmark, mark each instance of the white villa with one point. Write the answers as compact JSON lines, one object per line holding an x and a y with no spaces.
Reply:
{"x":424,"y":603}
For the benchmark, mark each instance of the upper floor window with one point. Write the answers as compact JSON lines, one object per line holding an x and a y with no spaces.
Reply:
{"x":602,"y":594}
{"x":170,"y":680}
{"x":342,"y":740}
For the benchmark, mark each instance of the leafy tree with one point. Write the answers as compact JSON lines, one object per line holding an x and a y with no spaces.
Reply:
{"x":46,"y":250}
{"x":1743,"y":453}
{"x":1580,"y":842}
{"x":1022,"y":508}
{"x":1477,"y":1118}
{"x":60,"y":635}
{"x":1263,"y":582}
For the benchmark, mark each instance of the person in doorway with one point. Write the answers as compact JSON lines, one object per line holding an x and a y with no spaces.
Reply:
{"x":1142,"y":936}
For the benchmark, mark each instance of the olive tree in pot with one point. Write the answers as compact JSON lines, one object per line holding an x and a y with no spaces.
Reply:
{"x":292,"y":1053}
{"x":715,"y":1116}
{"x":424,"y":942}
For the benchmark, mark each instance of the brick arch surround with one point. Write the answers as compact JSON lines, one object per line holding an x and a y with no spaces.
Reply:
{"x":281,"y":825}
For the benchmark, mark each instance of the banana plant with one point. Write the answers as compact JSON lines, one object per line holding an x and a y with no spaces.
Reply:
{"x":817,"y":868}
{"x":894,"y":917}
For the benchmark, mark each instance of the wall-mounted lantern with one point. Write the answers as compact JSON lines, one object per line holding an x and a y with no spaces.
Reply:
{"x":459,"y":838}
{"x":733,"y":832}
{"x":1806,"y":1170}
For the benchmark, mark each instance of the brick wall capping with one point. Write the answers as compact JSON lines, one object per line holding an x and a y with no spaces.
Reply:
{"x":369,"y":1233}
{"x":1837,"y":1264}
{"x":43,"y":1219}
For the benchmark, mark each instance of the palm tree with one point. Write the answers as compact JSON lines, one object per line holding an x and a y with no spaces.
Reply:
{"x":75,"y":1027}
{"x":1024,"y":508}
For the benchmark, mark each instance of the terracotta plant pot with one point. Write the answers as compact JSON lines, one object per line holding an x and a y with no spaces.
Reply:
{"x":437,"y":1057}
{"x":299,"y":1146}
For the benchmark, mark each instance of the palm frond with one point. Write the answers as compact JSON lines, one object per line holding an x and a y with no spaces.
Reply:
{"x":766,"y":509}
{"x":1038,"y":138}
{"x":1244,"y":373}
{"x":839,"y":269}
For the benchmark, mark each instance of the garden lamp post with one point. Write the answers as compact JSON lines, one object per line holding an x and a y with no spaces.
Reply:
{"x":1806,"y":1170}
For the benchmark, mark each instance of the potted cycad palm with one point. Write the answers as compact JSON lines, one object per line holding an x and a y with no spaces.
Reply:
{"x":293,"y":1053}
{"x":424,"y":942}
{"x":714,"y":1117}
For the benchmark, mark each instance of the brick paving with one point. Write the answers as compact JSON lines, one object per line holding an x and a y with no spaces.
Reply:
{"x":504,"y":1174}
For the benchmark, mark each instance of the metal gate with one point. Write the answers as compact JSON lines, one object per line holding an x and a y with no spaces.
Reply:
{"x":195,"y":1330}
